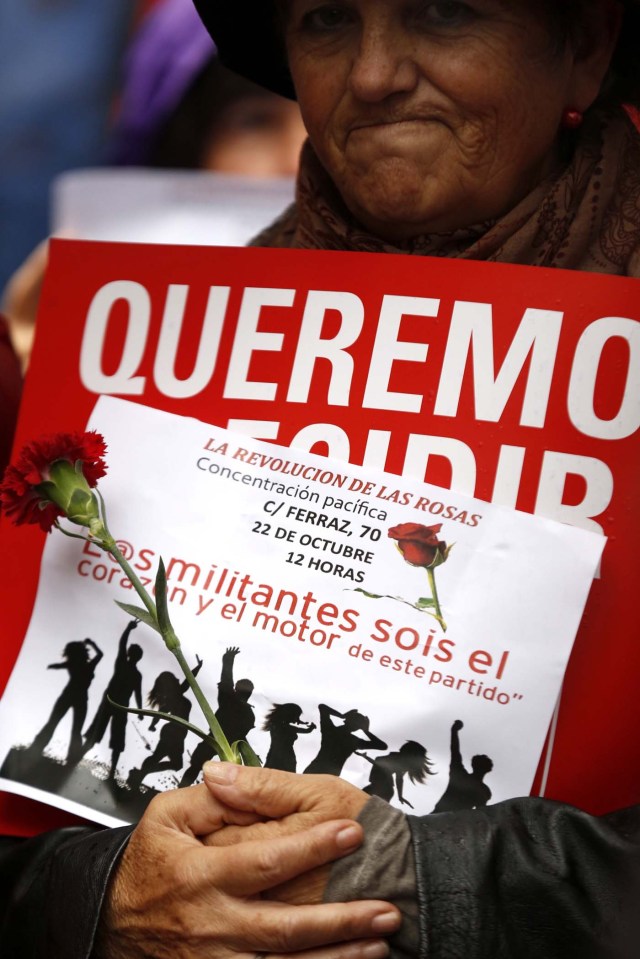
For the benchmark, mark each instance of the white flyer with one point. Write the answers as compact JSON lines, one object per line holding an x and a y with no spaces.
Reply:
{"x":342,"y":620}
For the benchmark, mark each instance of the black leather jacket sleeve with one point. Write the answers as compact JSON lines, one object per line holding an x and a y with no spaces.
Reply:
{"x":528,"y":879}
{"x":524,"y":879}
{"x":51,"y":891}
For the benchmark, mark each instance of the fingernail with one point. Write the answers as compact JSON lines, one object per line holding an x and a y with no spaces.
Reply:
{"x":375,"y":950}
{"x":349,"y":837}
{"x":385,"y":923}
{"x":222,"y":773}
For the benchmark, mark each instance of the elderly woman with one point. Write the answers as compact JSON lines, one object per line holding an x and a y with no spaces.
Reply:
{"x":488,"y":130}
{"x":484,"y":129}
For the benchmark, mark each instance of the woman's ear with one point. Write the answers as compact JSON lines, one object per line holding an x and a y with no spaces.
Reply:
{"x":593,"y":47}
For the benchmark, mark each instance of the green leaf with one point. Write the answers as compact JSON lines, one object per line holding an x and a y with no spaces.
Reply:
{"x":156,"y":713}
{"x":139,"y":613}
{"x":66,"y":532}
{"x":161,"y":599}
{"x":249,"y":757}
{"x":364,"y":592}
{"x":399,"y":599}
{"x":425,"y":601}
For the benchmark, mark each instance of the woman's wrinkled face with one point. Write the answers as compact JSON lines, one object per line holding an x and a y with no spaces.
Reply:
{"x":429,"y":116}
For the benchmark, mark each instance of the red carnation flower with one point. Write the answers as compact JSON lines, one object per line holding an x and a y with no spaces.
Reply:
{"x":419,"y":544}
{"x":33,"y":492}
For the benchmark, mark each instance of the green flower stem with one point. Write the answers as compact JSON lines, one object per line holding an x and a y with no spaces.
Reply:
{"x":434,"y":592}
{"x":224,"y":749}
{"x":108,"y":543}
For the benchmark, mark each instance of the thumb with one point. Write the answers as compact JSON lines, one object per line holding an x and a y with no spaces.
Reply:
{"x":267,"y":792}
{"x":194,"y":812}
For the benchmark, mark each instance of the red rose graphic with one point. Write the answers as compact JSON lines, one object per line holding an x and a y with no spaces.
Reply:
{"x":419,"y":544}
{"x":51,"y":478}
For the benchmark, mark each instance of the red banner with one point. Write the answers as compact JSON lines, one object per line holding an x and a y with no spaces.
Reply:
{"x":518,"y":385}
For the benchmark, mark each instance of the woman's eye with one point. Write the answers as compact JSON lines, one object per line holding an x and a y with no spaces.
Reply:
{"x":325,"y":18}
{"x":446,"y":13}
{"x":247,"y":117}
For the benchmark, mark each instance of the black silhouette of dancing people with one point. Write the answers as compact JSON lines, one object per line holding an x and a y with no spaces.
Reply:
{"x":284,"y":723}
{"x":80,"y":659}
{"x":234,"y":713}
{"x":465,"y":790}
{"x":125,"y":682}
{"x":338,"y":741}
{"x":168,"y":696}
{"x":389,"y":771}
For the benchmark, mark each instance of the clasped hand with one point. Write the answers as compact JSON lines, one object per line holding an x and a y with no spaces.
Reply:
{"x":237,"y":866}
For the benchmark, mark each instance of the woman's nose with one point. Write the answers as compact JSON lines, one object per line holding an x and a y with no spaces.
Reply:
{"x":382,"y":65}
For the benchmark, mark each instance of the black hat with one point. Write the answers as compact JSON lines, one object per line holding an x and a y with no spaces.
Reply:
{"x":249,"y":41}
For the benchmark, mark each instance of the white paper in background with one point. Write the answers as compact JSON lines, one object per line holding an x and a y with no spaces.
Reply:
{"x":266,"y":549}
{"x":163,"y":206}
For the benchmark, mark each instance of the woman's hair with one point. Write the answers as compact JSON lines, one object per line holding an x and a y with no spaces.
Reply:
{"x":567,"y":19}
{"x":282,"y":714}
{"x":182,"y":140}
{"x":164,"y":692}
{"x":416,"y":761}
{"x":354,"y":719}
{"x":625,"y":66}
{"x":76,"y":651}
